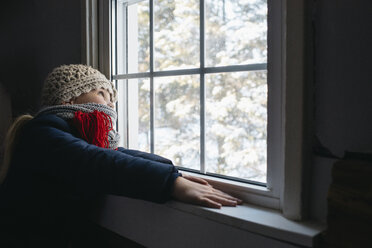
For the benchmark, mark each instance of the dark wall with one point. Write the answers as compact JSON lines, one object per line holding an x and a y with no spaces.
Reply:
{"x":36,"y":36}
{"x":343,"y":75}
{"x":343,"y":88}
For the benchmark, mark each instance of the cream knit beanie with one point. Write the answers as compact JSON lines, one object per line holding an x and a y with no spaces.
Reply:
{"x":68,"y":81}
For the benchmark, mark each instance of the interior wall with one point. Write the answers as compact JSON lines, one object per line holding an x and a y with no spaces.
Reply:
{"x":36,"y":36}
{"x":343,"y":87}
{"x":343,"y":74}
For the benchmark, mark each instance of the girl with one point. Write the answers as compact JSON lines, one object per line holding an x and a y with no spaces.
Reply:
{"x":65,"y":156}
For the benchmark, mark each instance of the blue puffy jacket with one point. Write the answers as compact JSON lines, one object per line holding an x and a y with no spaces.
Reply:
{"x":54,"y":173}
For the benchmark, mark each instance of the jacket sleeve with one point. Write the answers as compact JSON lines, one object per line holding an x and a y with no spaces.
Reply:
{"x":87,"y":169}
{"x":145,"y":155}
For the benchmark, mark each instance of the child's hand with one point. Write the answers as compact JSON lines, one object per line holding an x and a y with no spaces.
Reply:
{"x":196,"y":179}
{"x":201,"y":194}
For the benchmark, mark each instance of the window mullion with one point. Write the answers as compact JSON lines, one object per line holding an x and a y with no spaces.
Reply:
{"x":203,"y":168}
{"x":152,"y":92}
{"x":126,"y":71}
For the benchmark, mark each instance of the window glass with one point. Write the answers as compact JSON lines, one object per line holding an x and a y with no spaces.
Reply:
{"x":177,"y":119}
{"x":139,"y":111}
{"x":234,"y":97}
{"x":236,"y":124}
{"x":176,"y":34}
{"x":236,"y":32}
{"x":139,"y":37}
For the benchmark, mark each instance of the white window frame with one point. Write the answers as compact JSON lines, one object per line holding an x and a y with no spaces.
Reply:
{"x":286,"y":65}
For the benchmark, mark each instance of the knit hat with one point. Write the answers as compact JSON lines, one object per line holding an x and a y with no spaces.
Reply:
{"x":69,"y":81}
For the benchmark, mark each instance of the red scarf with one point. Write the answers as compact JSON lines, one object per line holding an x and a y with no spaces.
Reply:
{"x":93,"y":127}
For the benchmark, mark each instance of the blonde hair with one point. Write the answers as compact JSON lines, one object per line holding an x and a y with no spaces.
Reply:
{"x":11,"y":140}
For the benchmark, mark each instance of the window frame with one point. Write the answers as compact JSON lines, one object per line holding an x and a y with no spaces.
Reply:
{"x":284,"y":187}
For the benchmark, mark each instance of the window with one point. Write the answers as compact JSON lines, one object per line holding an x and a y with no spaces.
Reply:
{"x":196,"y":82}
{"x":213,"y":85}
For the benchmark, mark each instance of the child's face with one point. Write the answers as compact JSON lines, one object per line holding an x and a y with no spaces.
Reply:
{"x":101,"y":96}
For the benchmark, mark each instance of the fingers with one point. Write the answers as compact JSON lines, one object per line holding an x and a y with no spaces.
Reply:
{"x":222,"y":200}
{"x":204,"y":182}
{"x":218,"y":197}
{"x":221,"y":197}
{"x":225,"y":195}
{"x":201,"y":194}
{"x":214,"y":201}
{"x":210,"y":203}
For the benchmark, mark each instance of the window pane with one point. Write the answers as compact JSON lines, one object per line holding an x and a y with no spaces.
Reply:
{"x":236,"y":124}
{"x":138,"y":37}
{"x":236,"y":32}
{"x":176,"y":34}
{"x":139,"y":114}
{"x":177,"y":120}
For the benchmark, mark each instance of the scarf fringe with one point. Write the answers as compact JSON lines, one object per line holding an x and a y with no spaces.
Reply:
{"x":94,"y":127}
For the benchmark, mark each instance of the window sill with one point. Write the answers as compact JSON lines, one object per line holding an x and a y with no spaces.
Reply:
{"x":161,"y":225}
{"x":254,"y":194}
